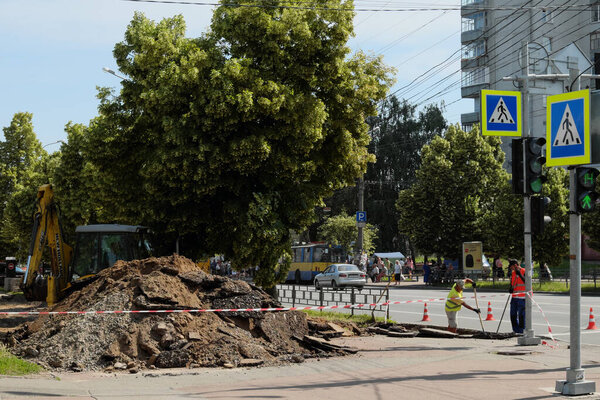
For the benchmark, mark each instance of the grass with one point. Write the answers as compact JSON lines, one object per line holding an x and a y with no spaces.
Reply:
{"x":14,"y":366}
{"x":554,"y":286}
{"x":359,"y":319}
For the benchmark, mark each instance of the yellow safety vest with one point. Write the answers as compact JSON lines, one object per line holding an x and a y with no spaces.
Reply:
{"x":452,"y":302}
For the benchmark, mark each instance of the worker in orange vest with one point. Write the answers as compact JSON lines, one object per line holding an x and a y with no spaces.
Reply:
{"x":518,"y":291}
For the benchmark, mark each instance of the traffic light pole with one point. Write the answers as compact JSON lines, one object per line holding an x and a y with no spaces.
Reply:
{"x":575,"y":384}
{"x":528,"y":338}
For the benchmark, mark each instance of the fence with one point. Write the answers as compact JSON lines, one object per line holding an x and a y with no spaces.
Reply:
{"x":309,"y":296}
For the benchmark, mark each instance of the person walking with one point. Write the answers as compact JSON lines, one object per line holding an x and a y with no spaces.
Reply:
{"x":426,"y":272}
{"x":518,"y":291}
{"x":398,"y":277}
{"x":454,"y":303}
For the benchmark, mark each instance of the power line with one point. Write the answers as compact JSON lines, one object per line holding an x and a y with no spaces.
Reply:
{"x":317,"y":6}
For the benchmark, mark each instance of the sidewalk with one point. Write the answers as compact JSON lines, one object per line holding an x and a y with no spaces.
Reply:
{"x":384,"y":368}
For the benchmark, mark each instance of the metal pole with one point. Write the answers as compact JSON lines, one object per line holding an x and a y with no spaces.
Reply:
{"x":528,"y":337}
{"x":575,"y":383}
{"x":361,"y":207}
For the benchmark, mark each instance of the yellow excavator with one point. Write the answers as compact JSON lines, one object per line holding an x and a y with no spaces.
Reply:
{"x":96,"y":247}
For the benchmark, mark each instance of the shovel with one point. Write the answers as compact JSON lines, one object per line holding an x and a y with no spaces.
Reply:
{"x":479,"y":313}
{"x":499,"y":323}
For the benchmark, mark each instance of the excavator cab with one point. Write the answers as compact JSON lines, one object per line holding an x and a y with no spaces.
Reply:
{"x":98,"y":247}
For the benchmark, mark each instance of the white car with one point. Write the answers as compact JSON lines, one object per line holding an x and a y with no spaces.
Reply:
{"x":340,"y":275}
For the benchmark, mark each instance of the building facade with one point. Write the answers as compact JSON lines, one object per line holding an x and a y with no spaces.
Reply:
{"x":559,"y":35}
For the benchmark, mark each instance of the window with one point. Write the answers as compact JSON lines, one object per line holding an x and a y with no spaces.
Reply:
{"x":320,"y":254}
{"x":469,"y":2}
{"x":473,"y":22}
{"x":595,"y":40}
{"x":473,"y":50}
{"x":596,"y":12}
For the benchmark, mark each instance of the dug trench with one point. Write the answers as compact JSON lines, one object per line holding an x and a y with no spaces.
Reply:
{"x":92,"y":342}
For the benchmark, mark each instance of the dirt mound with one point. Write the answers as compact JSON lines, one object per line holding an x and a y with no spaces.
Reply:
{"x":133,"y":341}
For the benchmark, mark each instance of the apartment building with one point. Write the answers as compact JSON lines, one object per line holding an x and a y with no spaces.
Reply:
{"x":558,"y":34}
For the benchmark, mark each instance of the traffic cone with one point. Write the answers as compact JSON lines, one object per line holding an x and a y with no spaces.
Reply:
{"x":592,"y":324}
{"x":490,"y":317}
{"x":425,"y":315}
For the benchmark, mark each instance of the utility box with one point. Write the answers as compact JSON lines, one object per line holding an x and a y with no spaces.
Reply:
{"x":472,"y":257}
{"x":11,"y":267}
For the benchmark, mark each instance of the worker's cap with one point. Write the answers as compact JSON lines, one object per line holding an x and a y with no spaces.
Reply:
{"x":461,"y":283}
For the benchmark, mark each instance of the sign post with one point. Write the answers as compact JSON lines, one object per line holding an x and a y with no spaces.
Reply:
{"x":569,"y":143}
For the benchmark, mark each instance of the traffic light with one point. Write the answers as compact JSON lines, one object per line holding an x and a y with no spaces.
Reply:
{"x":517,"y":166}
{"x":538,"y":219}
{"x":534,"y":161}
{"x":585,"y":194}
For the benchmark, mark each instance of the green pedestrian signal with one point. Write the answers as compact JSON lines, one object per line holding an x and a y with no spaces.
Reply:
{"x":586,"y":189}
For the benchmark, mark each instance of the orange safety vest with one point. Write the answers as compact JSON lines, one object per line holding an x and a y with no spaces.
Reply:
{"x":518,"y":284}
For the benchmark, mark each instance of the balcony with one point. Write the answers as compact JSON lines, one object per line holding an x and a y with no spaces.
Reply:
{"x":469,"y":119}
{"x":475,"y":34}
{"x":473,"y":28}
{"x":473,"y":80}
{"x":472,"y":6}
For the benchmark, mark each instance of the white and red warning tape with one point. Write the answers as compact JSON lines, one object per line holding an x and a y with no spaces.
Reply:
{"x":347,"y":306}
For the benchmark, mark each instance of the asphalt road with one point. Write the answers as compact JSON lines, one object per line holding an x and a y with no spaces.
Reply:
{"x":554,"y":306}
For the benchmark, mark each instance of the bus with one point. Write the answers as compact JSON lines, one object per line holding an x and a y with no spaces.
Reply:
{"x":310,"y":259}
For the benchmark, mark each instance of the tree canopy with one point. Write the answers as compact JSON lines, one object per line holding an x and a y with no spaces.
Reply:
{"x":234,"y":138}
{"x":456,"y":184}
{"x":342,"y":230}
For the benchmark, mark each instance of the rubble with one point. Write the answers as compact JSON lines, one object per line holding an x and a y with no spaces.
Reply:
{"x":137,"y":341}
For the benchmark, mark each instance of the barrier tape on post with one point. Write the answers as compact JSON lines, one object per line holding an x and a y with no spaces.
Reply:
{"x":272,"y":309}
{"x":555,"y":345}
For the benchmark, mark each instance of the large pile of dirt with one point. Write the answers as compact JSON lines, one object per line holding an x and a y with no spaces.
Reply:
{"x":99,"y":341}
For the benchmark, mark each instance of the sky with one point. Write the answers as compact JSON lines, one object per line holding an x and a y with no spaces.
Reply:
{"x":52,"y":53}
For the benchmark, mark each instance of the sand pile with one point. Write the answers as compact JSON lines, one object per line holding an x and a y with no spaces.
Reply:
{"x":134,"y":341}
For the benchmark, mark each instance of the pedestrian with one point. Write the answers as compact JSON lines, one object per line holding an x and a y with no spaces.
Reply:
{"x":517,"y":290}
{"x":499,"y":267}
{"x":374,"y":272}
{"x":454,"y":303}
{"x":398,"y":277}
{"x":545,"y":274}
{"x":426,"y":272}
{"x":411,"y":267}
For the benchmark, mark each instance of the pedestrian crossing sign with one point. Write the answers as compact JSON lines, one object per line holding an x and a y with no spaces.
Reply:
{"x":568,"y":129}
{"x":500,"y":113}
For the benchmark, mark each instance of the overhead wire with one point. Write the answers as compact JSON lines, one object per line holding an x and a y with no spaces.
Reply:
{"x":451,"y":87}
{"x":344,"y":9}
{"x":506,"y":22}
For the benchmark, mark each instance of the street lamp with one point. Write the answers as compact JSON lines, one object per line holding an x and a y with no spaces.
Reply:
{"x":110,"y":71}
{"x":49,"y":144}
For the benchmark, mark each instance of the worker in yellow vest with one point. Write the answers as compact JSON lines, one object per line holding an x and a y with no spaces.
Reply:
{"x":454,"y":302}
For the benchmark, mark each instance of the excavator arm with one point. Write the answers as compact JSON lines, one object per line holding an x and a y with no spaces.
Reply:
{"x":39,"y":284}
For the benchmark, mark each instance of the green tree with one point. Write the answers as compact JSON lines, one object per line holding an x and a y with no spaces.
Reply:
{"x":455,"y":185}
{"x":553,"y":245}
{"x":342,"y":230}
{"x":24,"y":166}
{"x":235,"y":137}
{"x":398,"y":135}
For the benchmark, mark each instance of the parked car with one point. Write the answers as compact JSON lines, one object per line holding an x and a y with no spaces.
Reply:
{"x":20,"y":269}
{"x":486,"y":269}
{"x":340,"y":275}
